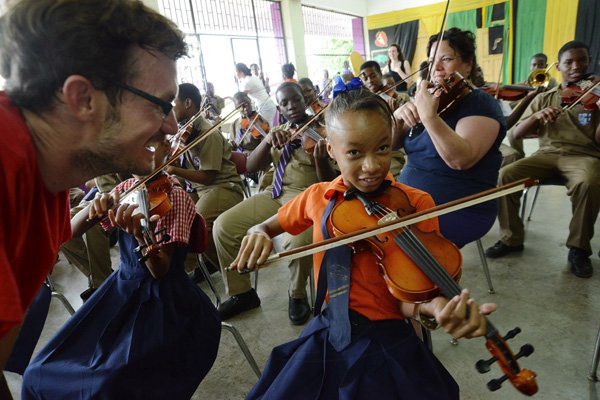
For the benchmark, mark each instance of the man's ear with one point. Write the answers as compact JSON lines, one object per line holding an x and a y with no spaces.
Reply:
{"x":187,"y":103}
{"x":81,"y":97}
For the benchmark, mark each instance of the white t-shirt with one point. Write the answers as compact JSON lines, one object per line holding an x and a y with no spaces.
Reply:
{"x":256,"y":90}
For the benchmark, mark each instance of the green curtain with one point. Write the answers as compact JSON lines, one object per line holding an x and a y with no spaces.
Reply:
{"x":465,"y":20}
{"x":528,"y":35}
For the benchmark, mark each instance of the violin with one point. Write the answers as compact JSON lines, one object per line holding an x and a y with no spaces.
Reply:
{"x":312,"y":132}
{"x":507,"y":92}
{"x":585,"y":91}
{"x":179,"y":140}
{"x":258,"y":126}
{"x":418,"y":266}
{"x":153,"y":199}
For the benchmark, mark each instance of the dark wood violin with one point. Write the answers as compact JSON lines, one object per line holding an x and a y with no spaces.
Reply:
{"x":586,"y":91}
{"x":310,"y":133}
{"x":507,"y":92}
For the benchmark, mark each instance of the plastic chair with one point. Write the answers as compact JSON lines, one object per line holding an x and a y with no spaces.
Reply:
{"x":198,"y":244}
{"x":595,"y":358}
{"x":239,"y":159}
{"x":556,"y":181}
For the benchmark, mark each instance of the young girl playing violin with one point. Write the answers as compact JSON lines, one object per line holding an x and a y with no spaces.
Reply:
{"x":361,"y":345}
{"x":148,"y":331}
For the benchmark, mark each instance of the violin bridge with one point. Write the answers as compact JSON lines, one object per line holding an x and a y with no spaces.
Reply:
{"x":388,"y":218}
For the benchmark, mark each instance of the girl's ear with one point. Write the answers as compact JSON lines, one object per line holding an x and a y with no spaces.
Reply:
{"x":330,"y":150}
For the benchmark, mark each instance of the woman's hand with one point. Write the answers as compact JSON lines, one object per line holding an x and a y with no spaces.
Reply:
{"x":427,"y":103}
{"x":256,"y":247}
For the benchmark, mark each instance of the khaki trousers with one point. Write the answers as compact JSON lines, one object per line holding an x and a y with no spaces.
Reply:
{"x":231,"y":227}
{"x":90,"y":253}
{"x":210,"y":203}
{"x":582,"y":175}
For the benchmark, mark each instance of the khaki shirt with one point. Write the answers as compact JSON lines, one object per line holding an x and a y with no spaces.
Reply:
{"x":573,"y":131}
{"x":300,"y":171}
{"x":106,"y":183}
{"x":212,"y":154}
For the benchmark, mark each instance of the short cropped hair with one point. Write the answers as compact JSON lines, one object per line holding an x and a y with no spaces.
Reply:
{"x":540,"y":55}
{"x":189,"y":91}
{"x":357,"y":101}
{"x":288,"y":70}
{"x":573,"y":44}
{"x":371,"y":64}
{"x":43,"y":42}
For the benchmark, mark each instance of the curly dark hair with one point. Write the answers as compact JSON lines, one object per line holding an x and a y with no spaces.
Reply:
{"x":43,"y":42}
{"x":463,"y":42}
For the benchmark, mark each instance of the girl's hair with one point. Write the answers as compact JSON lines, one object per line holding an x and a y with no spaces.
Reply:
{"x":241,"y":67}
{"x":357,"y":101}
{"x":463,"y":42}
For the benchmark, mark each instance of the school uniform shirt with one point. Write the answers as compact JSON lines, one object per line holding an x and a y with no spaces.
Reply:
{"x":573,"y":131}
{"x":369,"y":294}
{"x":211,"y":154}
{"x":34,"y":221}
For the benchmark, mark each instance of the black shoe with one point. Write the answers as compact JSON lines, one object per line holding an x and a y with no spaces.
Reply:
{"x":238,"y":304}
{"x":580,"y":264}
{"x":500,"y":249}
{"x":298,"y":311}
{"x":87,"y":293}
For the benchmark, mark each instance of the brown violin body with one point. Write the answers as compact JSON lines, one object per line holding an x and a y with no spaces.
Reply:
{"x":576,"y":93}
{"x":310,"y":135}
{"x":507,"y":92}
{"x":158,"y":195}
{"x":405,"y":280}
{"x":259,"y":127}
{"x":451,"y":90}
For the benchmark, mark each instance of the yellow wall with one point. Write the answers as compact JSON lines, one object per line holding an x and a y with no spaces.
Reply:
{"x":561,"y":18}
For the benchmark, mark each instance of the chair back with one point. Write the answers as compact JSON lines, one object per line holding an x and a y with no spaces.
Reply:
{"x":239,"y":159}
{"x":198,"y":242}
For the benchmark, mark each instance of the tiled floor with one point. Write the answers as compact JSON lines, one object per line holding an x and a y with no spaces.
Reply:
{"x":558,"y":313}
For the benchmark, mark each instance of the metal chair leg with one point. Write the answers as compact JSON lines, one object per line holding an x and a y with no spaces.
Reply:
{"x":535,"y":196}
{"x":311,"y":283}
{"x":524,"y":203}
{"x":484,"y":264}
{"x":208,"y":279}
{"x":595,"y":358}
{"x":243,"y":346}
{"x":59,"y":296}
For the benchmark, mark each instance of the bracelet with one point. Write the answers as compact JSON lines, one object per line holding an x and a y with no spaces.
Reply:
{"x":428,"y":323}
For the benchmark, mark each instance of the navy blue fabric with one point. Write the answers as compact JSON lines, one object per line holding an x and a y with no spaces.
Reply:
{"x":336,"y":263}
{"x":386,"y":360}
{"x":136,"y":338}
{"x":30,"y":332}
{"x":426,"y":170}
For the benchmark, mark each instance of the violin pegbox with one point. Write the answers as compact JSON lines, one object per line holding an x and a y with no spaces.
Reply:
{"x":522,"y":379}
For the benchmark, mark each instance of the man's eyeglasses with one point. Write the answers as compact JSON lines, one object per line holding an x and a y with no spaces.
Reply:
{"x":165,"y":106}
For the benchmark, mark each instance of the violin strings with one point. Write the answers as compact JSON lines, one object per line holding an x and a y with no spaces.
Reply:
{"x":418,"y":252}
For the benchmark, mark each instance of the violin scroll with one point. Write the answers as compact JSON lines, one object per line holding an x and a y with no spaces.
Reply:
{"x":522,"y":379}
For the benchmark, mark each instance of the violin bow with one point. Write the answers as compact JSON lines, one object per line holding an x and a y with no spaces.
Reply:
{"x":400,"y":82}
{"x":175,"y":156}
{"x":574,"y":103}
{"x":397,"y":223}
{"x":440,"y":37}
{"x":497,"y":95}
{"x":320,"y":93}
{"x":307,"y":125}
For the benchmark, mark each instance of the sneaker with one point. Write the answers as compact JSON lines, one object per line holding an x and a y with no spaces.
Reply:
{"x":580,"y":263}
{"x":500,"y":249}
{"x":238,"y":304}
{"x":298,"y":311}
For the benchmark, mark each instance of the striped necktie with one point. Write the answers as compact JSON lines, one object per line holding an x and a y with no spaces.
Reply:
{"x":286,"y":155}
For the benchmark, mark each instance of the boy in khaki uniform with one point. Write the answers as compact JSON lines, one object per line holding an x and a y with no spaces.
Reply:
{"x":291,"y":178}
{"x":569,"y":148}
{"x":92,"y":255}
{"x":210,"y":176}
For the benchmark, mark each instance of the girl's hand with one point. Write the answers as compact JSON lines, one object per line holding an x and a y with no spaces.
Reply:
{"x":451,"y":315}
{"x":100,"y":204}
{"x":255,"y":248}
